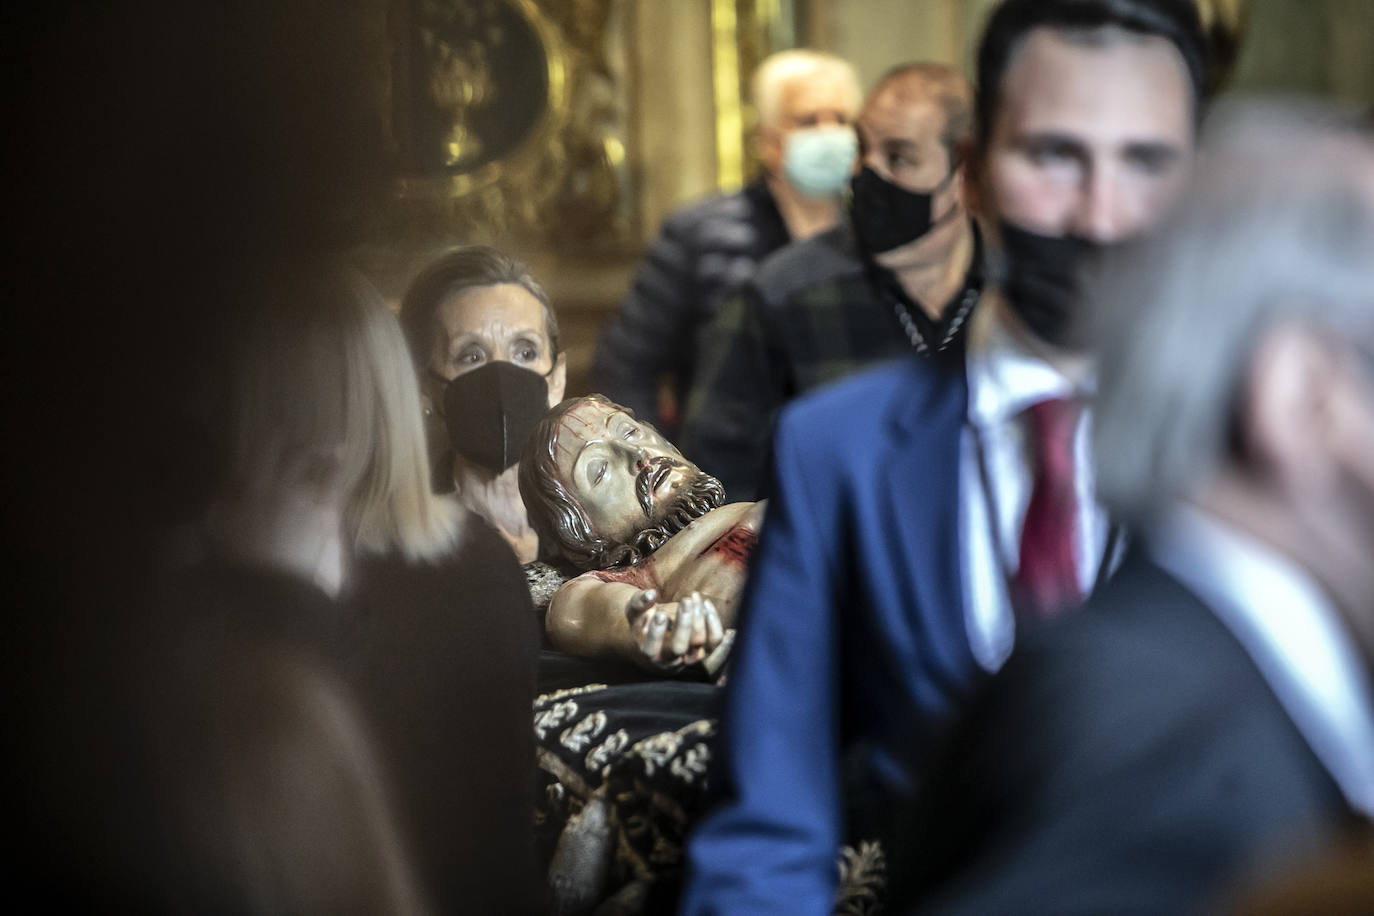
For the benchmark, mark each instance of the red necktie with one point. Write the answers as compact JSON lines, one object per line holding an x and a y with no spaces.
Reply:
{"x":1047,"y":579}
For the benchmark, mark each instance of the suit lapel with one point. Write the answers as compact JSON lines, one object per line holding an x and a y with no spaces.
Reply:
{"x":919,"y":489}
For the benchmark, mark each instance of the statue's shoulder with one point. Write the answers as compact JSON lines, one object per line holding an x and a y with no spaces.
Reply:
{"x":643,"y":574}
{"x":732,"y":515}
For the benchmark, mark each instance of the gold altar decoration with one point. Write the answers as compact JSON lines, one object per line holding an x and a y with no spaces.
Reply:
{"x":508,"y":118}
{"x":743,"y":33}
{"x":1224,"y":23}
{"x":727,"y":84}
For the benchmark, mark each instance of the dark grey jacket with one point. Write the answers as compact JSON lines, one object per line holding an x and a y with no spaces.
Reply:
{"x":702,"y":253}
{"x":1130,"y":759}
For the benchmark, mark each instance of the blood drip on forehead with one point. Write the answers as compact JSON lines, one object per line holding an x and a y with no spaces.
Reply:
{"x":578,"y":426}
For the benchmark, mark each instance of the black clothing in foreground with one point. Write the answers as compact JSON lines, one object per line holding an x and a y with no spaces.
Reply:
{"x":1130,"y":759}
{"x":440,"y":659}
{"x":445,"y":666}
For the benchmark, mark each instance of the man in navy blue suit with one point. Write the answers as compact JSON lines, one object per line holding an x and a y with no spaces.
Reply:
{"x":923,"y":512}
{"x":1209,"y":716}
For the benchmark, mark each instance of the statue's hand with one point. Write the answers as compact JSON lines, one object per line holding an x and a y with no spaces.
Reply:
{"x":675,"y":634}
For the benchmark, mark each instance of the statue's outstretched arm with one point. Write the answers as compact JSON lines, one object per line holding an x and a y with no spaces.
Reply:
{"x":593,"y":617}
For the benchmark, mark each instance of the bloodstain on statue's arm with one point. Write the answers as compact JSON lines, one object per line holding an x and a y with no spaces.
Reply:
{"x":641,"y":575}
{"x":734,"y":546}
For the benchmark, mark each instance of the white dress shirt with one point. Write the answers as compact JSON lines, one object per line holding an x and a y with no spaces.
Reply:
{"x":1296,"y":639}
{"x":996,"y":476}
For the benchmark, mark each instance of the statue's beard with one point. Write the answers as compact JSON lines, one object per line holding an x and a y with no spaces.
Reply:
{"x":700,"y":495}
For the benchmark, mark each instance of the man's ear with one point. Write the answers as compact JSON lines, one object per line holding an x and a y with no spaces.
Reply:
{"x":768,"y":148}
{"x":1285,"y":421}
{"x":1352,"y":415}
{"x":558,"y":379}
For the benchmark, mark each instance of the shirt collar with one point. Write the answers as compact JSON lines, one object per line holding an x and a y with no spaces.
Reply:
{"x":1004,"y":376}
{"x":1289,"y":628}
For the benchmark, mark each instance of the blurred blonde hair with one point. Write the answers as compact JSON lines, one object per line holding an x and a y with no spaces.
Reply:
{"x":321,"y":365}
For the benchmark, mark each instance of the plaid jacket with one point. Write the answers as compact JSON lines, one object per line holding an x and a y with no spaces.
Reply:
{"x":816,"y":311}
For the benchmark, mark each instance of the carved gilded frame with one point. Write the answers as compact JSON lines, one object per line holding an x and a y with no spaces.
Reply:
{"x":526,"y":155}
{"x":566,"y":179}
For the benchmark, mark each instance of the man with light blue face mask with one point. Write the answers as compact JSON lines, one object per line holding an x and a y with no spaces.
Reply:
{"x":805,"y":102}
{"x":818,"y":161}
{"x":900,"y":275}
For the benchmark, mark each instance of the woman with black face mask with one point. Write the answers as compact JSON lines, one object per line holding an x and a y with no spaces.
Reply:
{"x":485,"y":342}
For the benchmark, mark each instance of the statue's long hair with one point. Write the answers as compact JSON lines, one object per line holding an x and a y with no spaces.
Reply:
{"x":565,"y":532}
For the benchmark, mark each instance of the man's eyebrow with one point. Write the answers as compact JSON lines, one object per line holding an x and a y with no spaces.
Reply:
{"x":1051,"y":138}
{"x":1158,"y":151}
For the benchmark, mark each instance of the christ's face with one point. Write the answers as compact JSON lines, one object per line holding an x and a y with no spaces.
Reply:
{"x":621,"y":471}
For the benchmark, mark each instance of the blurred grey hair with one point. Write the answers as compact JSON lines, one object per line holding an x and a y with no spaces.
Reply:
{"x":1277,"y":226}
{"x":777,"y":70}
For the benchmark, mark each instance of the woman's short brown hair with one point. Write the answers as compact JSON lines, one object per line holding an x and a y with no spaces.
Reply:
{"x":464,"y":268}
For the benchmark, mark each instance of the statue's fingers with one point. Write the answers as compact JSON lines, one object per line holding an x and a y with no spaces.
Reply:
{"x":651,"y":640}
{"x":641,"y":602}
{"x":716,"y":660}
{"x":700,"y":627}
{"x":715,"y":630}
{"x":688,"y":611}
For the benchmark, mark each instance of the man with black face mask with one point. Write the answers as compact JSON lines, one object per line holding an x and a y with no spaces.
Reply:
{"x":924,"y":513}
{"x":901,"y":275}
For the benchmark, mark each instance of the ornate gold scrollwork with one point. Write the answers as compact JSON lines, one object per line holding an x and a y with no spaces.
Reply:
{"x":508,"y":119}
{"x":472,"y":75}
{"x":1224,"y":23}
{"x":741,"y":36}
